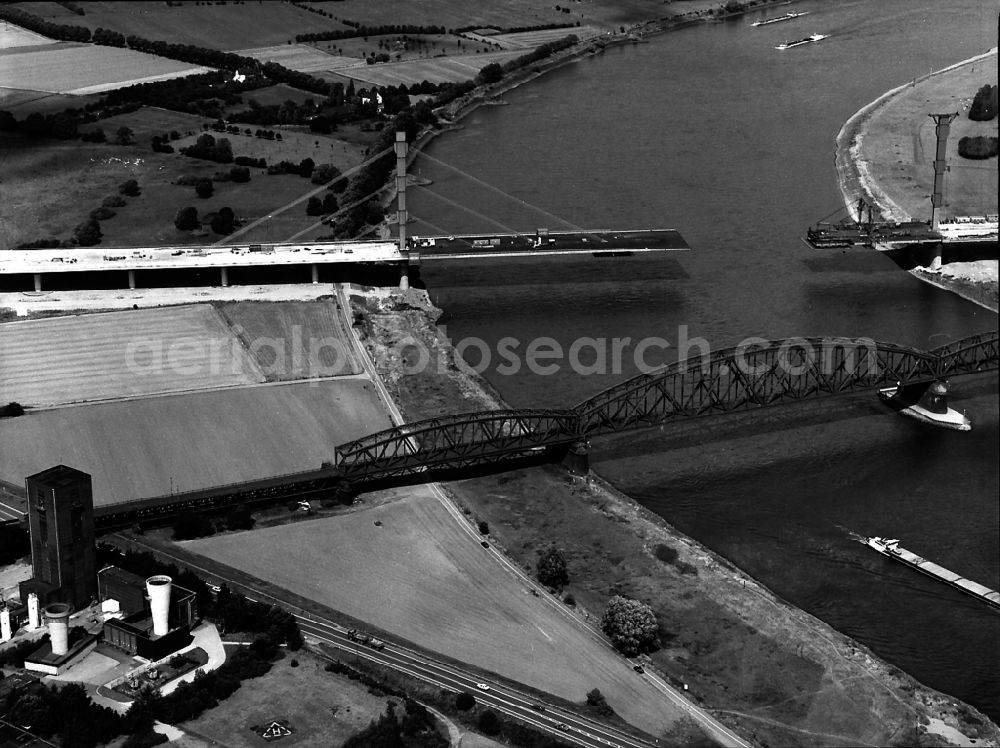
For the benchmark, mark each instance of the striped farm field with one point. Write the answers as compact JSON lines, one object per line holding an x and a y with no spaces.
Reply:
{"x":120,"y":354}
{"x":83,"y":69}
{"x":436,"y":69}
{"x":301,"y":57}
{"x":157,"y":445}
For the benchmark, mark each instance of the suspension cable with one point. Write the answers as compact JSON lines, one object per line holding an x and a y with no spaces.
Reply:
{"x":496,"y":189}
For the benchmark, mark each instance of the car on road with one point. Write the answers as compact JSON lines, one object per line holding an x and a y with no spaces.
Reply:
{"x":484,"y":544}
{"x":537,"y":707}
{"x":562,"y":726}
{"x":638,"y":669}
{"x":482,"y":687}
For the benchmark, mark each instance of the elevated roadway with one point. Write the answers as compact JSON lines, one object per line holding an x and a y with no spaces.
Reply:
{"x":39,"y":263}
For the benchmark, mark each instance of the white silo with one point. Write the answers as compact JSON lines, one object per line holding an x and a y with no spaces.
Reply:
{"x":33,"y":618}
{"x":158,"y":594}
{"x":57,"y":616}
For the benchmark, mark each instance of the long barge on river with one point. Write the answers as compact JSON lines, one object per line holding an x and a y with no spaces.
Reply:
{"x":779,"y":19}
{"x":891,"y":548}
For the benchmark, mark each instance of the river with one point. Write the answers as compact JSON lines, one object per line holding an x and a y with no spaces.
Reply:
{"x":712,"y":131}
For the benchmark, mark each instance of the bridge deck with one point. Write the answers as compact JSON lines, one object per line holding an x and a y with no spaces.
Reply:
{"x":481,"y":246}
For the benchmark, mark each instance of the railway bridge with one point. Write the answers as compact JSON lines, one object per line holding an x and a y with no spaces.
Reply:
{"x":742,"y":378}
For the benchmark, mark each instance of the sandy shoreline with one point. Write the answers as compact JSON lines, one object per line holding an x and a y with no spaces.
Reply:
{"x":855,"y":179}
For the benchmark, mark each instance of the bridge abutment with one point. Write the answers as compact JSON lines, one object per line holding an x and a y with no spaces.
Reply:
{"x":404,"y":275}
{"x":577,"y":458}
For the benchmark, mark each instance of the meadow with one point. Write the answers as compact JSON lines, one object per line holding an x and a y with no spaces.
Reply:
{"x":419,"y":575}
{"x":84,"y":69}
{"x":14,"y":36}
{"x":898,"y":142}
{"x":434,"y":69}
{"x":226,"y":27}
{"x":294,"y":339}
{"x":322,"y":709}
{"x":120,"y":354}
{"x":302,"y":57}
{"x":153,"y":446}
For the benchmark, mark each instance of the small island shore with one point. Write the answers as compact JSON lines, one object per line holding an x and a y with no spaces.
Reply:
{"x":885,"y":154}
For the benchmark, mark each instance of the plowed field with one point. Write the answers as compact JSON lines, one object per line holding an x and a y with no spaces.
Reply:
{"x":120,"y":354}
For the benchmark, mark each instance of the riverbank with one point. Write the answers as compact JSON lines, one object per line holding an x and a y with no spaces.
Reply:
{"x":771,"y":671}
{"x":885,"y":154}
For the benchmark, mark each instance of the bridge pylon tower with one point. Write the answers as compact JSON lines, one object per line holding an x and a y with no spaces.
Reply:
{"x":401,"y":216}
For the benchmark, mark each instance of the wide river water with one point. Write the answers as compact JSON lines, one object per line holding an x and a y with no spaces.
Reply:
{"x":712,"y":131}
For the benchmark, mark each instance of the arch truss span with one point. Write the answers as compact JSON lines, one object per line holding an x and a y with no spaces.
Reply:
{"x":457,"y":441}
{"x":760,"y":373}
{"x":969,"y":355}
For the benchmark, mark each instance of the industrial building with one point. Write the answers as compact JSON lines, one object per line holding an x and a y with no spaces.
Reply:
{"x":156,"y":615}
{"x":61,"y":524}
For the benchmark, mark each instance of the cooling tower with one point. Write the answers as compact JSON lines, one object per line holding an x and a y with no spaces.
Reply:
{"x":158,"y":593}
{"x":57,"y":616}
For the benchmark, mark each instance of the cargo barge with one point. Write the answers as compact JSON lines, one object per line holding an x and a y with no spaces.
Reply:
{"x":800,"y":42}
{"x":891,"y":548}
{"x":779,"y":19}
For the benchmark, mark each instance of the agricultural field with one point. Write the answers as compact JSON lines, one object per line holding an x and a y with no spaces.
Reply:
{"x":294,"y":339}
{"x":434,"y":69}
{"x":226,"y":27}
{"x":508,"y":14}
{"x":84,"y":69}
{"x":152,"y":446}
{"x":12,"y":36}
{"x":419,"y":575}
{"x":149,"y":121}
{"x":120,"y":354}
{"x":527,"y":40}
{"x":301,"y":57}
{"x":322,"y":709}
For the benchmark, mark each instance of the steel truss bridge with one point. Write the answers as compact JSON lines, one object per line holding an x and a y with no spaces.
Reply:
{"x":742,"y":378}
{"x":745,"y":377}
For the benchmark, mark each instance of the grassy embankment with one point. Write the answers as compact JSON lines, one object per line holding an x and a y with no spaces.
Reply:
{"x":887,"y":154}
{"x":769,"y":669}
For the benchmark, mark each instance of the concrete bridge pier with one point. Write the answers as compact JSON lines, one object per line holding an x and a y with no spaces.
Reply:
{"x":404,"y":275}
{"x":131,"y":280}
{"x":577,"y":459}
{"x":38,"y":281}
{"x":315,"y":273}
{"x":224,"y":272}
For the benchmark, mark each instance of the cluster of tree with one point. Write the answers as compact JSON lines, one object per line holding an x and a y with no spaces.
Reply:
{"x":540,"y":53}
{"x":551,"y":568}
{"x":668,"y":555}
{"x":597,"y":702}
{"x":11,"y":410}
{"x":108,"y":38}
{"x":50,"y":29}
{"x":416,"y":728}
{"x":189,"y":700}
{"x":512,"y":732}
{"x":357,"y":30}
{"x":192,"y":525}
{"x":326,"y":173}
{"x":207,"y":148}
{"x":239,"y":174}
{"x":984,"y":104}
{"x":161,"y":144}
{"x":631,"y":625}
{"x":14,"y":541}
{"x":68,"y":714}
{"x":317,"y":207}
{"x":258,"y":163}
{"x":303,"y":168}
{"x":977,"y":146}
{"x":235,"y":613}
